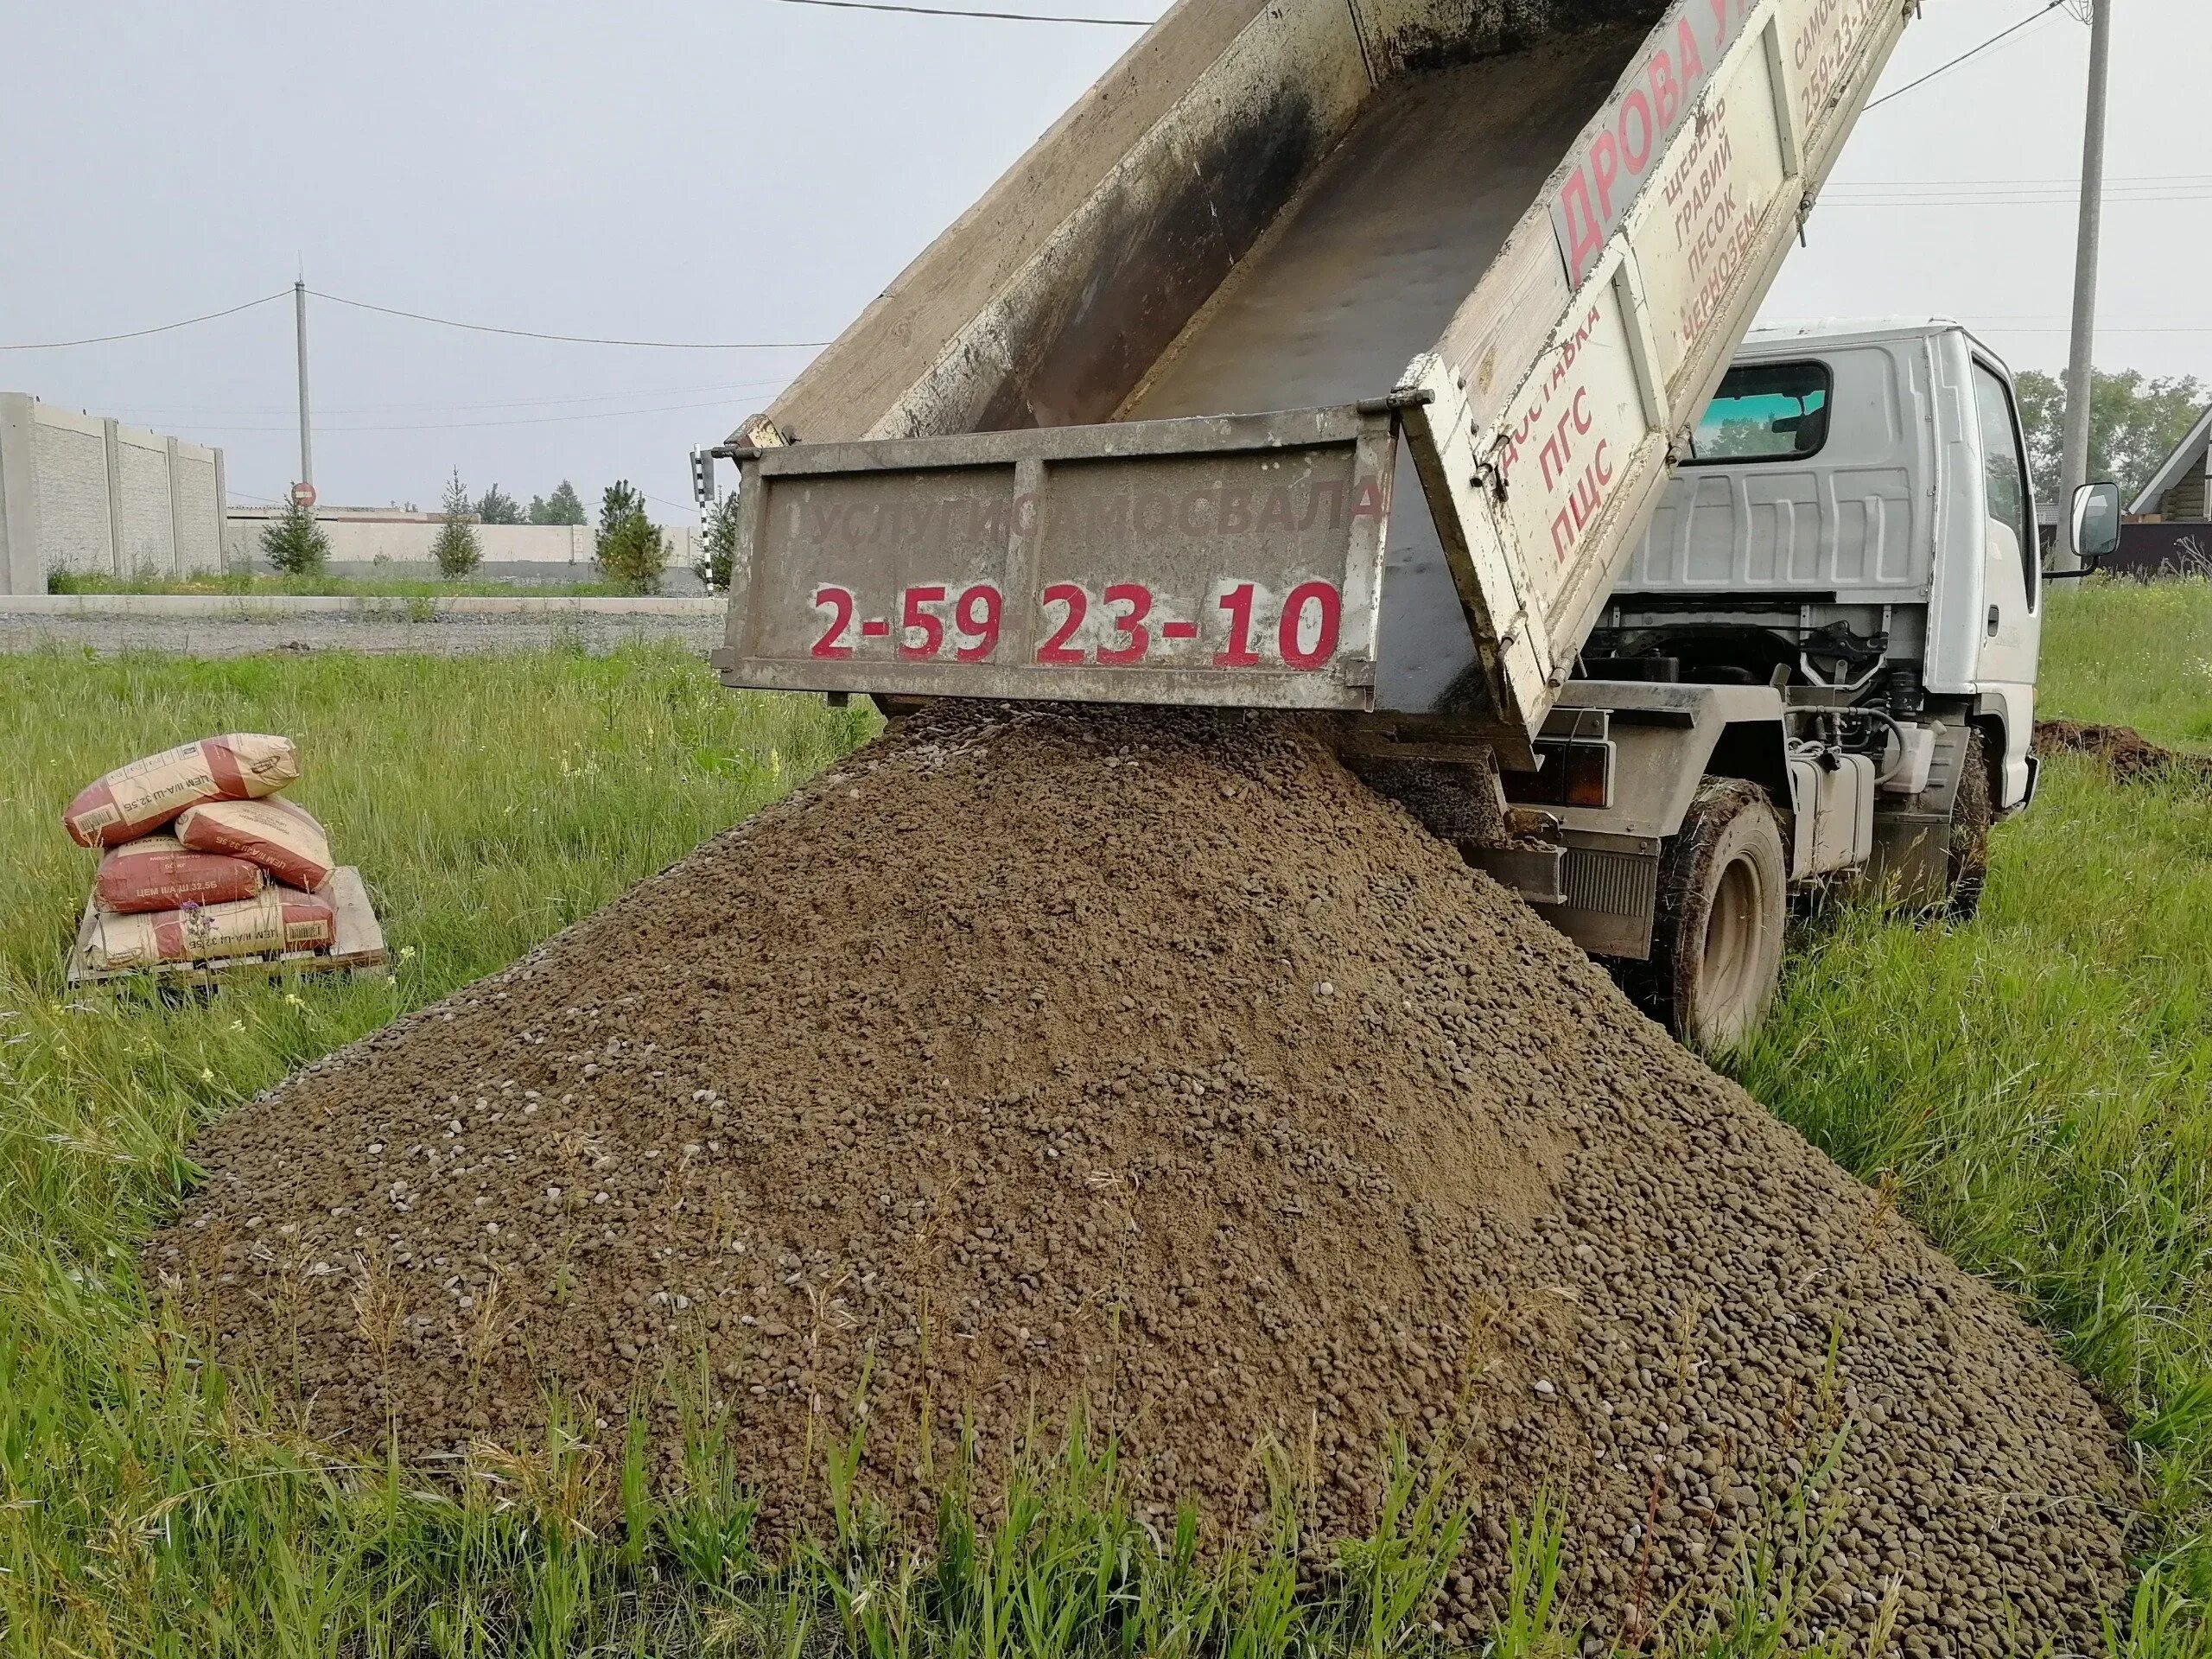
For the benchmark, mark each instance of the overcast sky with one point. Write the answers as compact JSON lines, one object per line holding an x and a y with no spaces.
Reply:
{"x":746,"y":170}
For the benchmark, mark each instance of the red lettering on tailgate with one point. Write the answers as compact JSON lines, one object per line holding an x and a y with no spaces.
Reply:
{"x":976,"y":619}
{"x":912,"y":616}
{"x":1323,"y":596}
{"x":840,"y":602}
{"x":1238,"y":653}
{"x":1057,"y":649}
{"x":1129,"y":625}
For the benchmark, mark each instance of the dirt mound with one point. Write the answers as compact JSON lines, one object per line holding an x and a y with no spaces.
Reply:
{"x":1159,"y":1064}
{"x":2131,"y":757}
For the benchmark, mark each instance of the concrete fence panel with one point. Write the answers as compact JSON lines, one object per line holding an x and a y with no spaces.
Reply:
{"x":197,"y":475}
{"x":89,"y":496}
{"x":146,"y":537}
{"x":69,"y":456}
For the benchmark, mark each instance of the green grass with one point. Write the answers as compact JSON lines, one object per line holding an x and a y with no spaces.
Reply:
{"x":2036,"y":1087}
{"x":245,"y":585}
{"x":2130,"y":653}
{"x":489,"y":802}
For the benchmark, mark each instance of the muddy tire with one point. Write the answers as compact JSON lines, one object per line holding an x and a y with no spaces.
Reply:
{"x":1716,"y":946}
{"x":1966,"y":864}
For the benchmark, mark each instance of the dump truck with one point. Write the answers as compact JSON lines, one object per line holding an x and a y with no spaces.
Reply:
{"x":1385,"y":359}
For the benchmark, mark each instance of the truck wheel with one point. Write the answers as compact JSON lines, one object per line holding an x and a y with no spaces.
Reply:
{"x":1967,"y":867}
{"x":1716,"y":947}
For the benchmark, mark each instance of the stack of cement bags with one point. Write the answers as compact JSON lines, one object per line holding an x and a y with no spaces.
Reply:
{"x":203,"y":858}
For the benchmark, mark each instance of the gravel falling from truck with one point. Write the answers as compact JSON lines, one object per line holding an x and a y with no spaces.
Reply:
{"x":1151,"y":1063}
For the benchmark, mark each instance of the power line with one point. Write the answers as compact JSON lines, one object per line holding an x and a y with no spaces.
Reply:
{"x":584,"y":340}
{"x":1964,"y":56}
{"x":170,"y":411}
{"x":461,"y":426}
{"x":140,"y":334}
{"x":2102,"y":328}
{"x":960,"y":11}
{"x":421,"y":316}
{"x":1989,"y":199}
{"x":2141,"y":179}
{"x":2007,"y":201}
{"x":2111,"y":200}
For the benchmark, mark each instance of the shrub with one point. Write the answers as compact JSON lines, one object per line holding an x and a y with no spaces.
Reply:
{"x":295,"y":545}
{"x":629,"y":547}
{"x":456,"y":550}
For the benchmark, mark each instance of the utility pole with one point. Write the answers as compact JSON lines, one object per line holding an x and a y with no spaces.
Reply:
{"x":2074,"y":465}
{"x":307,"y":442}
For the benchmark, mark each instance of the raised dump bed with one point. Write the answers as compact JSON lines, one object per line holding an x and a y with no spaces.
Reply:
{"x":1328,"y":354}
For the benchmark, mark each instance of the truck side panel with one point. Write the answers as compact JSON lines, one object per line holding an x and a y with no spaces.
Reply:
{"x":1369,"y":263}
{"x":1371,"y":260}
{"x":1676,"y":240}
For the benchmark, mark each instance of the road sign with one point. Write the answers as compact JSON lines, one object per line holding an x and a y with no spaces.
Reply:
{"x":303,"y":495}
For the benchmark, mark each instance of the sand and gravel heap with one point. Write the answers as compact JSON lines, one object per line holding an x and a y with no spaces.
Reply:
{"x":2131,"y":757}
{"x":1157,"y":1063}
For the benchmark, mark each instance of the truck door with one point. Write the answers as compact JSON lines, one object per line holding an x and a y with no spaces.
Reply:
{"x":2012,"y":620}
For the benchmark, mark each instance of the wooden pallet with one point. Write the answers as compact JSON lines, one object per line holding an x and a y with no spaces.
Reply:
{"x":356,"y":948}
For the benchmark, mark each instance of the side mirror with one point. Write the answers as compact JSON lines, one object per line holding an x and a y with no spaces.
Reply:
{"x":2096,"y":521}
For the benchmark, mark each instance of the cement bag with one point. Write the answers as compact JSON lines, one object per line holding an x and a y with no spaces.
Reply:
{"x":278,"y":918}
{"x":284,"y":839}
{"x":148,"y":793}
{"x":158,"y":873}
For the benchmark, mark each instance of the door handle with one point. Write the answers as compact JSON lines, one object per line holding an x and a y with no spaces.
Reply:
{"x":1992,"y":618}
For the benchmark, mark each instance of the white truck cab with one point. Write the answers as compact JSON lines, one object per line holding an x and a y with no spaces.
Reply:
{"x":1818,"y":667}
{"x":1877,"y":471}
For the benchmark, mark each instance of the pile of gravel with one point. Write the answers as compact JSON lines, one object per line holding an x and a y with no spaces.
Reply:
{"x":2131,"y":757}
{"x":1154,"y":1063}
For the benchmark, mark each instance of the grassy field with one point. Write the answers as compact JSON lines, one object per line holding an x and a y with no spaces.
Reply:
{"x":2033,"y":1086}
{"x":2037,"y":1086}
{"x":245,"y":584}
{"x":491,"y":802}
{"x":2134,"y":654}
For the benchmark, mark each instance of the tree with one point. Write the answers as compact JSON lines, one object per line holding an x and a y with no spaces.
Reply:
{"x":717,"y":545}
{"x":1745,"y":439}
{"x":295,"y":545}
{"x":629,"y":547}
{"x":496,"y":506}
{"x":456,"y":550}
{"x":563,"y":506}
{"x":2135,"y":423}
